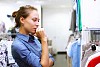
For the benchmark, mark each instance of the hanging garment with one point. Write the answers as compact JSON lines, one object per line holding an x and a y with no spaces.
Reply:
{"x":69,"y":61}
{"x":75,"y":53}
{"x":73,"y":21}
{"x":2,"y":27}
{"x":78,"y":15}
{"x":9,"y":54}
{"x":6,"y":58}
{"x":86,"y":55}
{"x":69,"y":48}
{"x":3,"y":51}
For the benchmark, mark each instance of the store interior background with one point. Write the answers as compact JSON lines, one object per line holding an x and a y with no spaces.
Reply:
{"x":55,"y":18}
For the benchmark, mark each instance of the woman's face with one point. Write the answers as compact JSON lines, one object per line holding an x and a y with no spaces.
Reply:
{"x":31,"y":23}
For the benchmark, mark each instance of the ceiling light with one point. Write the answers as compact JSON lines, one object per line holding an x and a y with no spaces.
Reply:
{"x":19,"y":2}
{"x":39,"y":2}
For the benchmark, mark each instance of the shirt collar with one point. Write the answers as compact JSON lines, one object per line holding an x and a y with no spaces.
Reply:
{"x":23,"y":37}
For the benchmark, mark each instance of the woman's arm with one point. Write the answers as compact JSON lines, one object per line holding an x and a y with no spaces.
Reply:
{"x":45,"y":54}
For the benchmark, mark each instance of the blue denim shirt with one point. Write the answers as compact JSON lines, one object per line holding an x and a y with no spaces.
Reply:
{"x":26,"y":50}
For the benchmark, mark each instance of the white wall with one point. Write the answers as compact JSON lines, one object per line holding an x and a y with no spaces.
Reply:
{"x":56,"y":22}
{"x":90,"y":13}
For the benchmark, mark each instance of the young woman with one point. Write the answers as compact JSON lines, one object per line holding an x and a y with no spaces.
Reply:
{"x":26,"y":49}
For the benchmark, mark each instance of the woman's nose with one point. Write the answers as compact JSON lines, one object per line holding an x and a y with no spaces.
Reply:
{"x":37,"y":23}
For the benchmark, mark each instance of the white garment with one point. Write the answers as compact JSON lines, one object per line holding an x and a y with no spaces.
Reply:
{"x":69,"y":48}
{"x":10,"y":58}
{"x":98,"y":48}
{"x":3,"y":53}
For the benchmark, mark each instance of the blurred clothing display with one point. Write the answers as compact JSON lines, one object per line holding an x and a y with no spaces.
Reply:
{"x":73,"y":21}
{"x":2,"y":27}
{"x":75,"y":53}
{"x":93,"y":60}
{"x":6,"y":58}
{"x":69,"y":61}
{"x":88,"y":50}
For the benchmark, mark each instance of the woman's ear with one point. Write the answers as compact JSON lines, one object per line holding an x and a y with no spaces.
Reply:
{"x":22,"y":20}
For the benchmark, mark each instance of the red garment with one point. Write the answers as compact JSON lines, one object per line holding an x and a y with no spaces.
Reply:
{"x":94,"y":62}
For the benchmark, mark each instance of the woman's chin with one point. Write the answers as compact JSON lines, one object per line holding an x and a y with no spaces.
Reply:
{"x":33,"y":32}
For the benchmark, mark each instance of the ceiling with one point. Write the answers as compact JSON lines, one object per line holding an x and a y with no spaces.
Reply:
{"x":44,"y":3}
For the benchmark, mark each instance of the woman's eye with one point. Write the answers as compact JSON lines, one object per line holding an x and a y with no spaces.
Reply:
{"x":35,"y":19}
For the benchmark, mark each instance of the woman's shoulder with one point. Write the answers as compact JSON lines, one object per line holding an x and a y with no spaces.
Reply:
{"x":17,"y":43}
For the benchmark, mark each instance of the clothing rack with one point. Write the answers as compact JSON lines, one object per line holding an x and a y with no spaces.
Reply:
{"x":94,"y":33}
{"x":91,"y":43}
{"x":6,"y":59}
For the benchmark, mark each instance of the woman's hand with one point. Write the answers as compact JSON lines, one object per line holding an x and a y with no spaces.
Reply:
{"x":41,"y":34}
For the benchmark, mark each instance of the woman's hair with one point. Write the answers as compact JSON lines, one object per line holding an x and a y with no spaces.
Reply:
{"x":24,"y":12}
{"x":14,"y":14}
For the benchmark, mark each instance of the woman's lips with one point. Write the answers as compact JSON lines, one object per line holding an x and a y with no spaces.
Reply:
{"x":34,"y":29}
